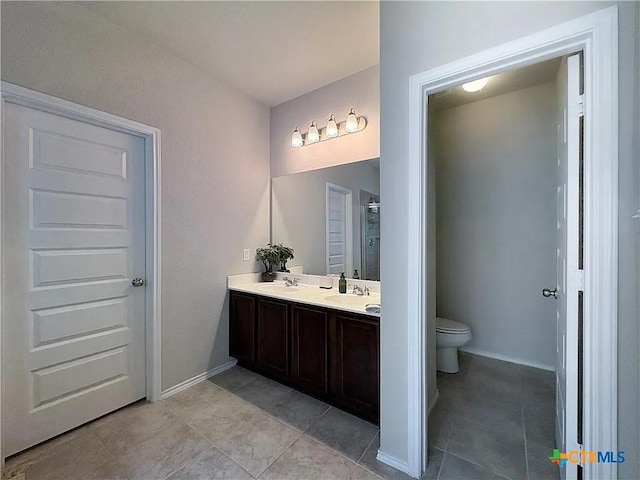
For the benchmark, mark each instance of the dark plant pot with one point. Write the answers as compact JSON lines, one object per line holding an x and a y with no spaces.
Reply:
{"x":268,"y":276}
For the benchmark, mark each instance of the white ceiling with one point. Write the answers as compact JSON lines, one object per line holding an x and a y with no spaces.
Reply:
{"x":500,"y":84}
{"x":272,"y":51}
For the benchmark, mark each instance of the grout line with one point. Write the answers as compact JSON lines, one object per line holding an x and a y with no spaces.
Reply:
{"x":477,"y":465}
{"x":367,"y":447}
{"x":331,"y":449}
{"x":278,"y":457}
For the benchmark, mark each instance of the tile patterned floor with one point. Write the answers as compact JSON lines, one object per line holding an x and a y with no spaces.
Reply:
{"x":493,"y":421}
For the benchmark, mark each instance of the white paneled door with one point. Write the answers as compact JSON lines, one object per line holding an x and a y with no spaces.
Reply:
{"x":339,"y":229}
{"x":568,"y":291}
{"x":74,"y":324}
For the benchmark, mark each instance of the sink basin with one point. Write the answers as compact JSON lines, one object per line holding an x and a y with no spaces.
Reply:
{"x":279,"y":288}
{"x":352,"y":301}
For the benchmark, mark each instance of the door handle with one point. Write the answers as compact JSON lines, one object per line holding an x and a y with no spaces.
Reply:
{"x":137,"y":282}
{"x":546,"y":292}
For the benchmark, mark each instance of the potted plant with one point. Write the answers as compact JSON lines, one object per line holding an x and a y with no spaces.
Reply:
{"x":269,"y":257}
{"x":284,"y":255}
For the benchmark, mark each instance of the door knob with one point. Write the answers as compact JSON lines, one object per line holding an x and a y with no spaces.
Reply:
{"x":546,"y":292}
{"x":137,"y":282}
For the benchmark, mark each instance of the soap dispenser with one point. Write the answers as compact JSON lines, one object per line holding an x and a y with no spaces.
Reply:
{"x":355,"y":275}
{"x":342,"y":284}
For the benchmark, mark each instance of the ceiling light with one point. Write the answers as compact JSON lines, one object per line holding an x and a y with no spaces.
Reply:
{"x":296,"y":138}
{"x":351,"y":125}
{"x":475,"y":86}
{"x":313,"y":136}
{"x":332,"y":128}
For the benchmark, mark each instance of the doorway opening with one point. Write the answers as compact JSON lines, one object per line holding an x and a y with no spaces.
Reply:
{"x":499,"y":158}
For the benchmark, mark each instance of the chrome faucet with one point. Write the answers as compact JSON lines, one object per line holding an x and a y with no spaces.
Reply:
{"x":366,"y":291}
{"x":357,"y":290}
{"x":290,"y":282}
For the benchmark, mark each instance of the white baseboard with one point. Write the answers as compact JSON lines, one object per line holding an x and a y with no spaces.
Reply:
{"x":433,"y":401}
{"x":198,"y":378}
{"x":393,"y":462}
{"x":504,"y":358}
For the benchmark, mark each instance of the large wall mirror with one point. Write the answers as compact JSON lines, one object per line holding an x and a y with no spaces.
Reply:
{"x":331,"y":218}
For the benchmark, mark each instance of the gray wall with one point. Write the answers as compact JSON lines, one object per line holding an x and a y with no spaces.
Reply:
{"x":496,"y":182}
{"x":418,"y":36}
{"x":298,"y":211}
{"x":215,"y":195}
{"x":360,"y":91}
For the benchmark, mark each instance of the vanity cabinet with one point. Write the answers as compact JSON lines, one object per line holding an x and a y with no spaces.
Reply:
{"x":242,"y":331}
{"x":355,"y":379}
{"x":330,"y":354}
{"x":273,"y":337}
{"x":310,"y":349}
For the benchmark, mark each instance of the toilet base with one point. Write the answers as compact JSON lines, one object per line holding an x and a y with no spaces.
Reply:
{"x":447,"y":360}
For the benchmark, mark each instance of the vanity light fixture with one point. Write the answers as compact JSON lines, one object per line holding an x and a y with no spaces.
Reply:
{"x":475,"y":86}
{"x":351,"y":125}
{"x":313,"y":136}
{"x":333,"y":129}
{"x":296,"y":138}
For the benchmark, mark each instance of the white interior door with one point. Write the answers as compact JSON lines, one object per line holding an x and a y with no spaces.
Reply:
{"x":569,"y":274}
{"x":339,"y":229}
{"x":74,"y":338}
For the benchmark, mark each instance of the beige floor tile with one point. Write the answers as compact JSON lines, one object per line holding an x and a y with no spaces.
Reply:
{"x":246,"y":434}
{"x":307,"y":458}
{"x":125,"y":429}
{"x":163,"y":453}
{"x":212,"y":464}
{"x":196,"y":403}
{"x":83,"y":457}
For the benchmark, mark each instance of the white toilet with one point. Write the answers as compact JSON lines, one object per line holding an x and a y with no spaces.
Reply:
{"x":449,"y":336}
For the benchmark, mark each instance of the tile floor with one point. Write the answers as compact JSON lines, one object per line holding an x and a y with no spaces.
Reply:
{"x":493,"y":420}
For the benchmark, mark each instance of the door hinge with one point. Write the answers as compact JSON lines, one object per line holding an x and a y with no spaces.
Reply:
{"x":581,"y":106}
{"x":579,"y":280}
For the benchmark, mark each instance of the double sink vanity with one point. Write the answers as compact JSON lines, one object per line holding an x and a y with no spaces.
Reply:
{"x":316,"y":340}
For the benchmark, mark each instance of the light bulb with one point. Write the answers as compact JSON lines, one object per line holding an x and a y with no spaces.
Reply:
{"x":351,"y":125}
{"x":296,"y":138}
{"x":475,"y":86}
{"x":313,"y":136}
{"x":332,"y":128}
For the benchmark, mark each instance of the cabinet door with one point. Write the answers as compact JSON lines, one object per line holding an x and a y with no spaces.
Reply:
{"x":273,"y":338}
{"x":309,"y":349}
{"x":242,"y":328}
{"x":354,"y":378}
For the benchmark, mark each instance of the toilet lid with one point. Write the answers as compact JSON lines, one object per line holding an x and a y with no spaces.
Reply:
{"x":444,"y":325}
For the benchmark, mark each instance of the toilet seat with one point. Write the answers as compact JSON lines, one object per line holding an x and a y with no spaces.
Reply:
{"x":451,"y":327}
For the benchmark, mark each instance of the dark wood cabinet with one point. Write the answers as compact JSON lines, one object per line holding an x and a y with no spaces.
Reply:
{"x":310,"y":349}
{"x":273,"y":337}
{"x":355,"y":377}
{"x":242,"y":330}
{"x":330,"y":354}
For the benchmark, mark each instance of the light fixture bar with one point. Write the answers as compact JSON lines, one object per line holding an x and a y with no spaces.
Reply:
{"x":333,"y":130}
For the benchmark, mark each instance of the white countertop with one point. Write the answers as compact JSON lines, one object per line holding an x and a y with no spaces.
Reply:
{"x":310,"y":295}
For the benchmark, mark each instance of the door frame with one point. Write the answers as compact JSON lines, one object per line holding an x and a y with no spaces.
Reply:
{"x":18,"y":95}
{"x":597,"y":35}
{"x":348,"y":233}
